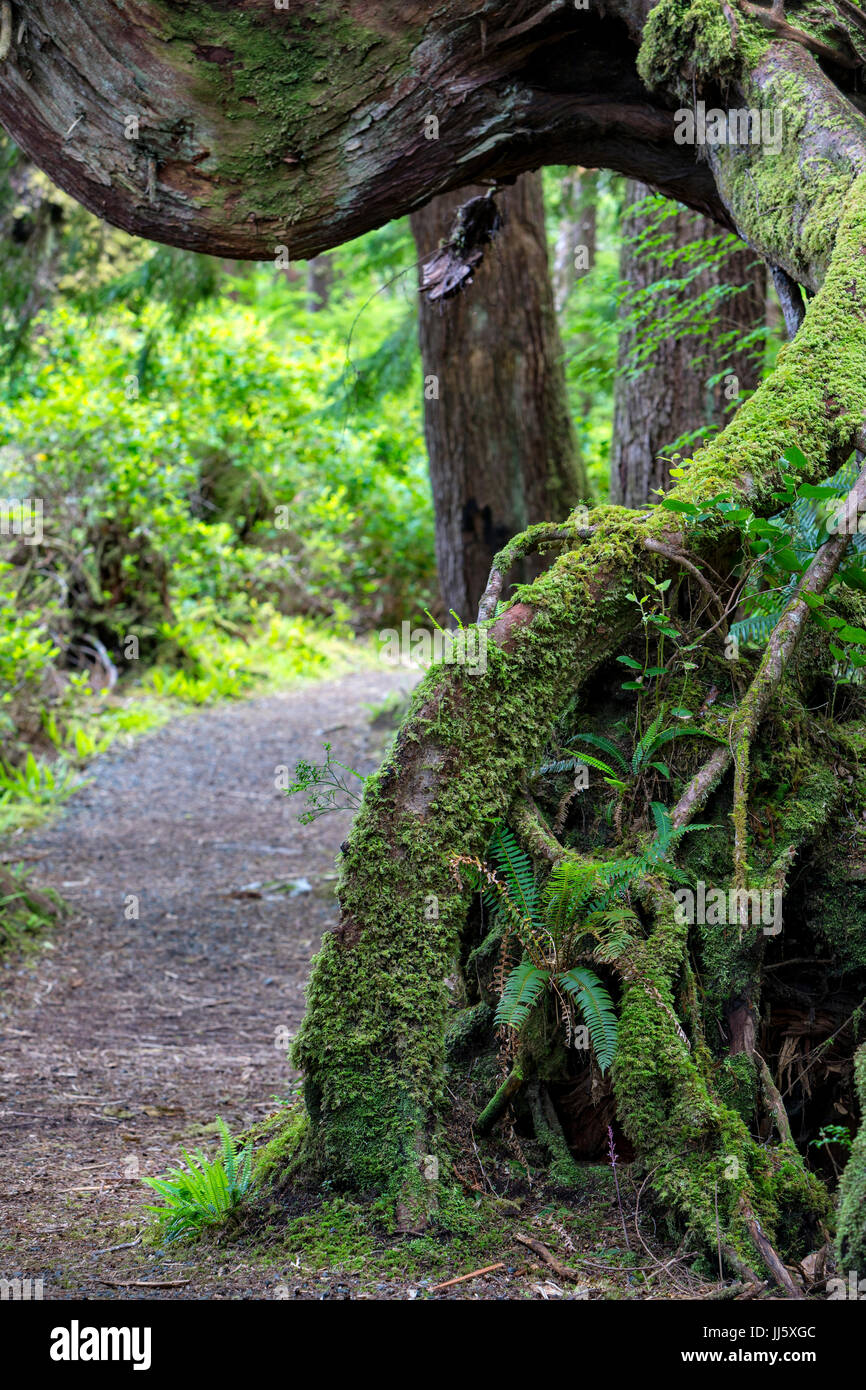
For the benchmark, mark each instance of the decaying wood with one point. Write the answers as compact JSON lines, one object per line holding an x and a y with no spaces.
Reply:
{"x":571,"y":1275}
{"x":302,"y":127}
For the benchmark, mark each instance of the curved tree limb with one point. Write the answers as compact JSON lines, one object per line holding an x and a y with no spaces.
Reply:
{"x":528,"y":541}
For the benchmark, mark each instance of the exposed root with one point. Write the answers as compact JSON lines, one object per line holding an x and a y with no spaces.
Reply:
{"x":506,"y":1093}
{"x":530,"y":540}
{"x":780,"y":647}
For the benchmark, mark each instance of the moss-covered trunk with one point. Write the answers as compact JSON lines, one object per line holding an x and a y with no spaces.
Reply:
{"x":372,"y":1045}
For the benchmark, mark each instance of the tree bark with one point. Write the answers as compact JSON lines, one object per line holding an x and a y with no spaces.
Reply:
{"x":320,"y":278}
{"x":668,"y":397}
{"x":500,"y":440}
{"x":239,"y":129}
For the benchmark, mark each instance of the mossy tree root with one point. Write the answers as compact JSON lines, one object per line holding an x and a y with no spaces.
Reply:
{"x":851,"y":1231}
{"x":371,"y":1045}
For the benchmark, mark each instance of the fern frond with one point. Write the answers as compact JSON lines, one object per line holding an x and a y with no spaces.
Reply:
{"x":597,"y":741}
{"x":599,"y":764}
{"x":663,"y":824}
{"x":571,"y":888}
{"x":596,"y":1009}
{"x":515,"y":866}
{"x":647,"y":750}
{"x":613,"y":929}
{"x":520,"y":994}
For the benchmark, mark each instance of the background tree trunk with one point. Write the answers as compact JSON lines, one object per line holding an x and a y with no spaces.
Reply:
{"x":670,"y":397}
{"x":320,"y":278}
{"x":501,"y":444}
{"x":574,"y":253}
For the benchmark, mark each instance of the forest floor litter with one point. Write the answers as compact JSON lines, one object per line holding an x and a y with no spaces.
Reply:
{"x":196,"y":901}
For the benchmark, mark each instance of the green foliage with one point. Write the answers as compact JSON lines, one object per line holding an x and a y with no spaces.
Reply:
{"x":33,"y":788}
{"x":595,"y":1006}
{"x":677,"y":304}
{"x":25,"y":912}
{"x":203,"y":1194}
{"x":839,"y":1135}
{"x":327,"y":787}
{"x":542,"y":923}
{"x":522,"y":991}
{"x":780,"y":548}
{"x":628,"y":774}
{"x":230,"y":481}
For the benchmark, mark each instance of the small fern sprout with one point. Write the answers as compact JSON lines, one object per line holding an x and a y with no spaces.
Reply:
{"x":204,"y":1193}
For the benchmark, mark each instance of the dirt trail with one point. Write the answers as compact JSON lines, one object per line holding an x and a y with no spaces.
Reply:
{"x":119,"y":1044}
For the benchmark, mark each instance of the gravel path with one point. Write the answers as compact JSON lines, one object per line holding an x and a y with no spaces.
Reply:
{"x":129,"y":1036}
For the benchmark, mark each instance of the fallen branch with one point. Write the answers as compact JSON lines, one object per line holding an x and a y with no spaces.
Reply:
{"x":503,"y":1097}
{"x":773,"y":1101}
{"x":461,"y":1278}
{"x":144,"y":1283}
{"x":771,"y":1259}
{"x":549,"y":1258}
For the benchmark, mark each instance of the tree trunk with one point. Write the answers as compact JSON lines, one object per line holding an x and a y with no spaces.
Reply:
{"x":320,"y":278}
{"x":372,"y":1052}
{"x":575,"y":244}
{"x":658,"y":402}
{"x":501,"y":445}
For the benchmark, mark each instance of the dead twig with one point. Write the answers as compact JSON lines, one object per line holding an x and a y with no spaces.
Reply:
{"x":461,"y":1278}
{"x":144,"y":1283}
{"x":572,"y":1275}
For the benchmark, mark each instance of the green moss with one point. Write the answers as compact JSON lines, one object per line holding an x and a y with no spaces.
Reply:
{"x":736,"y":1085}
{"x":277,"y":84}
{"x":851,"y":1229}
{"x":687,"y":41}
{"x":352,"y":1237}
{"x":277,"y":1145}
{"x":704,"y":1162}
{"x":467,"y":1030}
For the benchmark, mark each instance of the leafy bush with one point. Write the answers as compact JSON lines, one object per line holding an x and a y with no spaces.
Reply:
{"x":205,"y":465}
